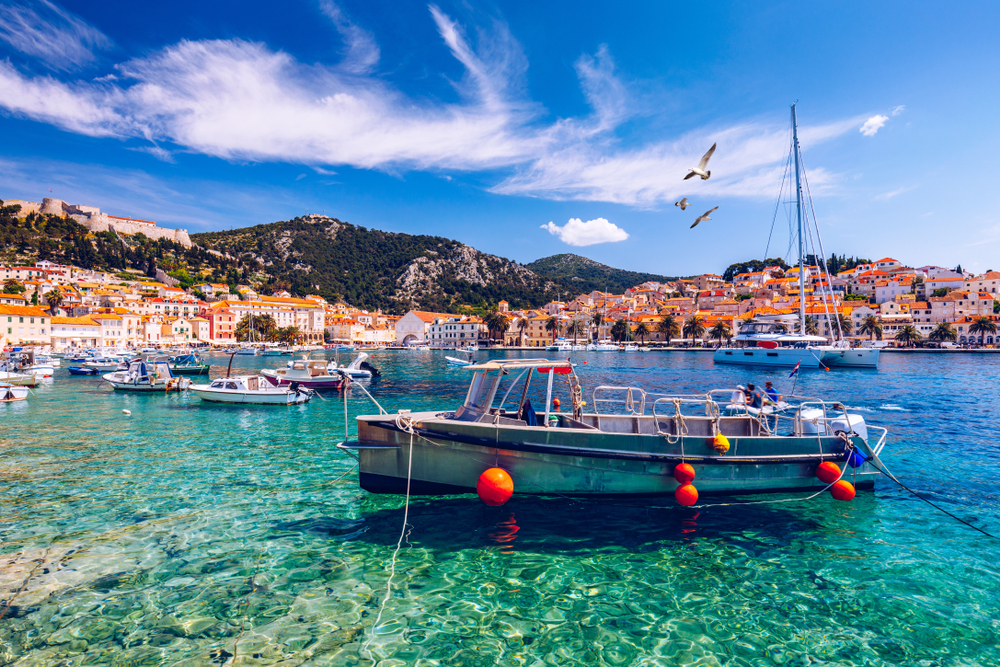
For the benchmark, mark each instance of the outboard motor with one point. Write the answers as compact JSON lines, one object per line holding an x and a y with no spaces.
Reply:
{"x":294,"y":387}
{"x":368,"y":367}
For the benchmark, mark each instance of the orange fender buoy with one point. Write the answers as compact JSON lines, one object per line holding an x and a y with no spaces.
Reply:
{"x":495,"y":487}
{"x":686,"y":494}
{"x":828,"y":472}
{"x":684,"y":473}
{"x":842,"y":490}
{"x":720,"y":444}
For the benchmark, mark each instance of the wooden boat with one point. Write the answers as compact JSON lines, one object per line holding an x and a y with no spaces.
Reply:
{"x":628,"y":444}
{"x":142,"y":375}
{"x":10,"y":393}
{"x":250,"y":389}
{"x":309,"y":374}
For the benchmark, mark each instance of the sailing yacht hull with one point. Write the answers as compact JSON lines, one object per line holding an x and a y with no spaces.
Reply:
{"x":760,"y":356}
{"x":857,"y":357}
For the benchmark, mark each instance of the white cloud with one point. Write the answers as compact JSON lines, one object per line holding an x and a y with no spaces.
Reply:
{"x":579,"y":233}
{"x":362,"y":53}
{"x":42,"y":30}
{"x":873,"y":125}
{"x":898,"y":110}
{"x":893,"y":193}
{"x":240,"y":100}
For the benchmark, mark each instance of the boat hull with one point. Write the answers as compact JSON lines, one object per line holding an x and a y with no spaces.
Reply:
{"x":761,"y":356}
{"x":311,"y":383}
{"x":201,"y":369}
{"x":854,"y":357}
{"x":250,"y":397}
{"x":19,"y":379}
{"x":449,"y":456}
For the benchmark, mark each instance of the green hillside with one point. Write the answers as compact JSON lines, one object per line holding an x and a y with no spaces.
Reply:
{"x":585,"y":275}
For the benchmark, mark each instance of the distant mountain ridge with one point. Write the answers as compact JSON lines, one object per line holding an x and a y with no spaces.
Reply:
{"x":397,"y":272}
{"x":586,"y":275}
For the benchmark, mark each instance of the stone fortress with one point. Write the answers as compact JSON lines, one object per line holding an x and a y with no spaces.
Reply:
{"x":92,"y":218}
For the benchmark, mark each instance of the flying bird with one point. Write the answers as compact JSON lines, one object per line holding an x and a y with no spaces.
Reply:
{"x":702,"y":217}
{"x":700,"y":169}
{"x":682,"y":203}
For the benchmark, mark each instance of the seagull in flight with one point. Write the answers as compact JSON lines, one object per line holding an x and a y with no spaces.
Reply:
{"x":702,"y":217}
{"x":682,"y":203}
{"x":700,"y":169}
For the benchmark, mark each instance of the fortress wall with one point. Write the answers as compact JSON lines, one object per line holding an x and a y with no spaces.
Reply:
{"x":92,"y":218}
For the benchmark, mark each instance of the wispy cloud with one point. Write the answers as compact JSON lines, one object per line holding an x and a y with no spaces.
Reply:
{"x":898,"y":110}
{"x":362,"y":53}
{"x":42,"y":30}
{"x":873,"y":125}
{"x":889,"y":195}
{"x":240,"y":100}
{"x":576,"y":232}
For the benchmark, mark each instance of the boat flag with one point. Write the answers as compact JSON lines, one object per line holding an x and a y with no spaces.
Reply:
{"x":795,"y":370}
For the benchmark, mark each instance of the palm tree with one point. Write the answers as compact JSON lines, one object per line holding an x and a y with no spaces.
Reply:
{"x":694,"y":327}
{"x":908,"y":336}
{"x":571,"y":330}
{"x":287,"y":334}
{"x":982,"y":325}
{"x":812,"y":327}
{"x":845,"y":324}
{"x":872,"y":326}
{"x":263,"y":328}
{"x":669,"y":327}
{"x":597,"y":318}
{"x":621,"y":331}
{"x":496,"y":322}
{"x":943,"y":332}
{"x":522,"y":326}
{"x":54,"y":298}
{"x":719,"y":331}
{"x":11,"y":286}
{"x":552,"y":326}
{"x":642,"y":331}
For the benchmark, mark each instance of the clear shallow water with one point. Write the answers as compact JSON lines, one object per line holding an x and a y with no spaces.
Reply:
{"x":208,"y":535}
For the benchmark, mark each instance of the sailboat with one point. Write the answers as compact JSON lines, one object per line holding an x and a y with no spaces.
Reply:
{"x":769,"y":341}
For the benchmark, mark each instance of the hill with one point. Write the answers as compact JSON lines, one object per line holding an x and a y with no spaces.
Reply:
{"x":585,"y":275}
{"x":375,"y":269}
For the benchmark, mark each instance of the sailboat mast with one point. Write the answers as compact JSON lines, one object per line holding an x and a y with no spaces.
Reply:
{"x":798,"y":211}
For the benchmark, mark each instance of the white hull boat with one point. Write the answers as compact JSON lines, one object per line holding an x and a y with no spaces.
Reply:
{"x":250,"y":390}
{"x":359,"y":369}
{"x":19,"y":379}
{"x":147,"y":376}
{"x":10,"y":393}
{"x":455,"y":361}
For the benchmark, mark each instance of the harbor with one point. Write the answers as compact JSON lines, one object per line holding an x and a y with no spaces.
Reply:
{"x":200,"y":533}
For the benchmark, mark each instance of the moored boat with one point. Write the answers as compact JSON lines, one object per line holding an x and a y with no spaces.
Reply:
{"x":10,"y":393}
{"x":250,"y":389}
{"x":358,"y":369}
{"x":188,"y":364}
{"x":628,"y":445}
{"x":142,"y":375}
{"x":81,"y":370}
{"x":19,"y":379}
{"x":310,"y":374}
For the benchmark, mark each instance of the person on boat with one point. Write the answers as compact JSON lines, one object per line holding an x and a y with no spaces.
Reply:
{"x":739,"y":396}
{"x":773,"y":395}
{"x":758,"y":399}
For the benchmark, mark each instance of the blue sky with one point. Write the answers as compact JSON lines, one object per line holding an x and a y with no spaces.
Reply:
{"x":486,"y":122}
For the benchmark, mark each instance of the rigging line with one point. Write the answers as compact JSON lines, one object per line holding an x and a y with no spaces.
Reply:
{"x":822,"y":250}
{"x":404,"y":534}
{"x":777,"y":204}
{"x":881,"y":468}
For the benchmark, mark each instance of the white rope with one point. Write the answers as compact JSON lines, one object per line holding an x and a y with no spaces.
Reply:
{"x":405,"y":423}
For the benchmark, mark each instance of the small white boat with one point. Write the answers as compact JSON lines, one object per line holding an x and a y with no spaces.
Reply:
{"x":358,"y":369}
{"x":247,"y":351}
{"x":19,"y":379}
{"x":10,"y":393}
{"x":250,"y":389}
{"x":604,"y":346}
{"x":455,"y":361}
{"x":631,"y":347}
{"x":144,"y":375}
{"x":311,"y":374}
{"x":102,"y":363}
{"x":560,"y":346}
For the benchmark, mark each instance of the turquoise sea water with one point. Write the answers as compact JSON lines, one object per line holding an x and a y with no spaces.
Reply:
{"x":195,"y":534}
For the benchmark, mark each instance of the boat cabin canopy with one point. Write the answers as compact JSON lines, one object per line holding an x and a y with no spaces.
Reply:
{"x":486,"y":378}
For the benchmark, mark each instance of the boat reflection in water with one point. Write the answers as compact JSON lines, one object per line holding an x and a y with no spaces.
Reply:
{"x":627,"y":445}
